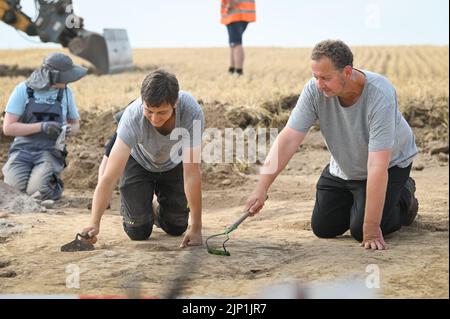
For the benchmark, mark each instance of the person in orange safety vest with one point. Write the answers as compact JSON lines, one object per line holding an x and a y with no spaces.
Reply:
{"x":236,"y":15}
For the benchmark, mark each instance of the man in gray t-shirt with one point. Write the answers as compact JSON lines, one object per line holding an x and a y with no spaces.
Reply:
{"x":156,"y":152}
{"x":367,"y":187}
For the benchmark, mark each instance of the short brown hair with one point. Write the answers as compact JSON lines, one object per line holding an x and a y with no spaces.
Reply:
{"x":160,"y":87}
{"x":337,"y":51}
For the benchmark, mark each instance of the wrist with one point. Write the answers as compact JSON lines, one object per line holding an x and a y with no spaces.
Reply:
{"x":196,"y":227}
{"x":371,"y":223}
{"x":262,"y":187}
{"x":95,"y":223}
{"x":370,"y":228}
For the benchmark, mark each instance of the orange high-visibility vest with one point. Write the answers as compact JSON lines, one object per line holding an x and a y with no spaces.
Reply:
{"x":240,"y":10}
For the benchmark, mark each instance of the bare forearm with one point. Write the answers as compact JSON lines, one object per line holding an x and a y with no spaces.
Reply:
{"x":102,"y":197}
{"x":21,"y":130}
{"x":375,"y":195}
{"x":193,"y":190}
{"x":101,"y":169}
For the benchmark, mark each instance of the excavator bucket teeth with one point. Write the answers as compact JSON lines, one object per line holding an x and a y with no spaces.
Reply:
{"x":110,"y":53}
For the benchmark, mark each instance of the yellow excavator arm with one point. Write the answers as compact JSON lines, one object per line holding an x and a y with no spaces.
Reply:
{"x":16,"y":19}
{"x":109,"y":53}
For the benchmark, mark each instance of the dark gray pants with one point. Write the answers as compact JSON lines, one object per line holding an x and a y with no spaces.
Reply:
{"x":340,"y":205}
{"x":32,"y":171}
{"x":137,"y":187}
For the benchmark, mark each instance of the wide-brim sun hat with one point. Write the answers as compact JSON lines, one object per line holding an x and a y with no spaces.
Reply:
{"x":57,"y":68}
{"x":68,"y":71}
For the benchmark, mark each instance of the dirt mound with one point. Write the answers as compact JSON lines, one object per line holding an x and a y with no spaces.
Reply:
{"x":214,"y":114}
{"x":14,"y":71}
{"x":429,"y":119}
{"x":5,"y":142}
{"x":283,"y":104}
{"x":280,"y":110}
{"x":243,"y":117}
{"x":8,"y":229}
{"x":428,"y":112}
{"x":136,"y":69}
{"x":12,"y":200}
{"x":86,"y":149}
{"x":271,"y":114}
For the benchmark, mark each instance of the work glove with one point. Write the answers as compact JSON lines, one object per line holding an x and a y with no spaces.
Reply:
{"x":52,"y":129}
{"x":68,"y":129}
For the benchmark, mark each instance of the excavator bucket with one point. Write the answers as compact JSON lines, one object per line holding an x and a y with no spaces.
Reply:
{"x":110,"y":53}
{"x":120,"y":55}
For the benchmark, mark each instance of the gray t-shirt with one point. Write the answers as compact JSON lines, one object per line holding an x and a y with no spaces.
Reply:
{"x":154,"y":151}
{"x":373,"y":124}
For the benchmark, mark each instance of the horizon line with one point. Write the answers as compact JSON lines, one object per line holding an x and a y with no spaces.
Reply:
{"x":247,"y":47}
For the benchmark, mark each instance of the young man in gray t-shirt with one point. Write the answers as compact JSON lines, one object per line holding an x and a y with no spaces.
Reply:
{"x":156,"y":152}
{"x":366,"y":188}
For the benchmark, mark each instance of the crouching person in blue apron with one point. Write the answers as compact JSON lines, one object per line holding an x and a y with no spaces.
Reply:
{"x":41,"y":112}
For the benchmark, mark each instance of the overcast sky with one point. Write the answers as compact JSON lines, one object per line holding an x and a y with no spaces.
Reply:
{"x":282,"y":23}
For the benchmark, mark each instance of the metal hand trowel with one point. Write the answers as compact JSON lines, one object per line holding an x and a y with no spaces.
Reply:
{"x":78,"y":244}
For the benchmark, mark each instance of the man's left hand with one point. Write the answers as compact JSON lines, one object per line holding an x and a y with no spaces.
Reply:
{"x":192,"y":238}
{"x":373,"y":237}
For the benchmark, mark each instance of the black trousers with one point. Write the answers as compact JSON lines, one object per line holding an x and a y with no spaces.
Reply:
{"x":137,"y":187}
{"x":340,"y":205}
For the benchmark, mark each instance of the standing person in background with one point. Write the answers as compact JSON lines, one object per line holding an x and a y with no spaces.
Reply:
{"x":236,"y":15}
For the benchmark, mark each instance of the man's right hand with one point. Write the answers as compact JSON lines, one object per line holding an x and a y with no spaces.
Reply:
{"x":92,"y":232}
{"x":52,"y":129}
{"x":256,"y":201}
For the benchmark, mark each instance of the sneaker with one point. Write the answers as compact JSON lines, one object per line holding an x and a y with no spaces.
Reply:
{"x":411,"y":213}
